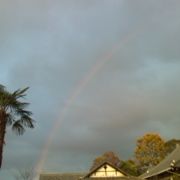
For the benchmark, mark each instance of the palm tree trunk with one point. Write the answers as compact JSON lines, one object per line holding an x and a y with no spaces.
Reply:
{"x":2,"y":134}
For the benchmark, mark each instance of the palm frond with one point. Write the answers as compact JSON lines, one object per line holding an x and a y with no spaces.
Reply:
{"x":27,"y":121}
{"x":15,"y":109}
{"x":18,"y":128}
{"x":22,"y":112}
{"x":19,"y":107}
{"x":5,"y":98}
{"x":23,"y":105}
{"x":20,"y":93}
{"x":9,"y":119}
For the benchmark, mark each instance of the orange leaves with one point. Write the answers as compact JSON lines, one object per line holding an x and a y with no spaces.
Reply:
{"x":150,"y":150}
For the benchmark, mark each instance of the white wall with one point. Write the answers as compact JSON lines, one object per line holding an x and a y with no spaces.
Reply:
{"x":108,"y":172}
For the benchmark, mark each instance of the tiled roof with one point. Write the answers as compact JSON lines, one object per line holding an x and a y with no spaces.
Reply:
{"x":63,"y":176}
{"x":172,"y":159}
{"x":78,"y":176}
{"x":115,"y":178}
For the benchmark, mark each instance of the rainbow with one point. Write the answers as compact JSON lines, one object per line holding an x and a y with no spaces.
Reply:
{"x":76,"y":93}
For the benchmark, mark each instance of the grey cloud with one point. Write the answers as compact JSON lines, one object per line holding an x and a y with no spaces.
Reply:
{"x":51,"y":46}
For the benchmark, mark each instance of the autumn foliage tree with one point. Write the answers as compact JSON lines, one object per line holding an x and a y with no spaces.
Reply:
{"x":150,"y":150}
{"x":107,"y":156}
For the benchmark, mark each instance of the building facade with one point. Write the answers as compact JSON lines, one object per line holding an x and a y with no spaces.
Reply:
{"x":105,"y":171}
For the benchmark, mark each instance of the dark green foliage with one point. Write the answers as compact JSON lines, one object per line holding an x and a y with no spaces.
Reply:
{"x":130,"y":167}
{"x":13,"y":113}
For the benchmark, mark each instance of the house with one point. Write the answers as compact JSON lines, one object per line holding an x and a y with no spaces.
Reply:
{"x":167,"y":169}
{"x":104,"y":171}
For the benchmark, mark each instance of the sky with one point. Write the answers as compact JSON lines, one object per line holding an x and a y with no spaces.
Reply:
{"x":101,"y":74}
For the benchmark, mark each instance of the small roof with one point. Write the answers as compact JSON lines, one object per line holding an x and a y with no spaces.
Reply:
{"x":172,"y":160}
{"x":63,"y":176}
{"x":102,"y":164}
{"x":116,"y":178}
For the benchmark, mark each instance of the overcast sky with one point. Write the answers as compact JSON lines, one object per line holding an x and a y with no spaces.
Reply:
{"x":113,"y":66}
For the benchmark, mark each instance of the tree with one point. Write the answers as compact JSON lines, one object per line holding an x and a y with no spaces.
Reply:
{"x":107,"y":156}
{"x":13,"y":113}
{"x":130,"y":167}
{"x":150,"y":150}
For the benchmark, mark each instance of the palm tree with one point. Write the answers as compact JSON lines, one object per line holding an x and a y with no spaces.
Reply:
{"x":13,"y":113}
